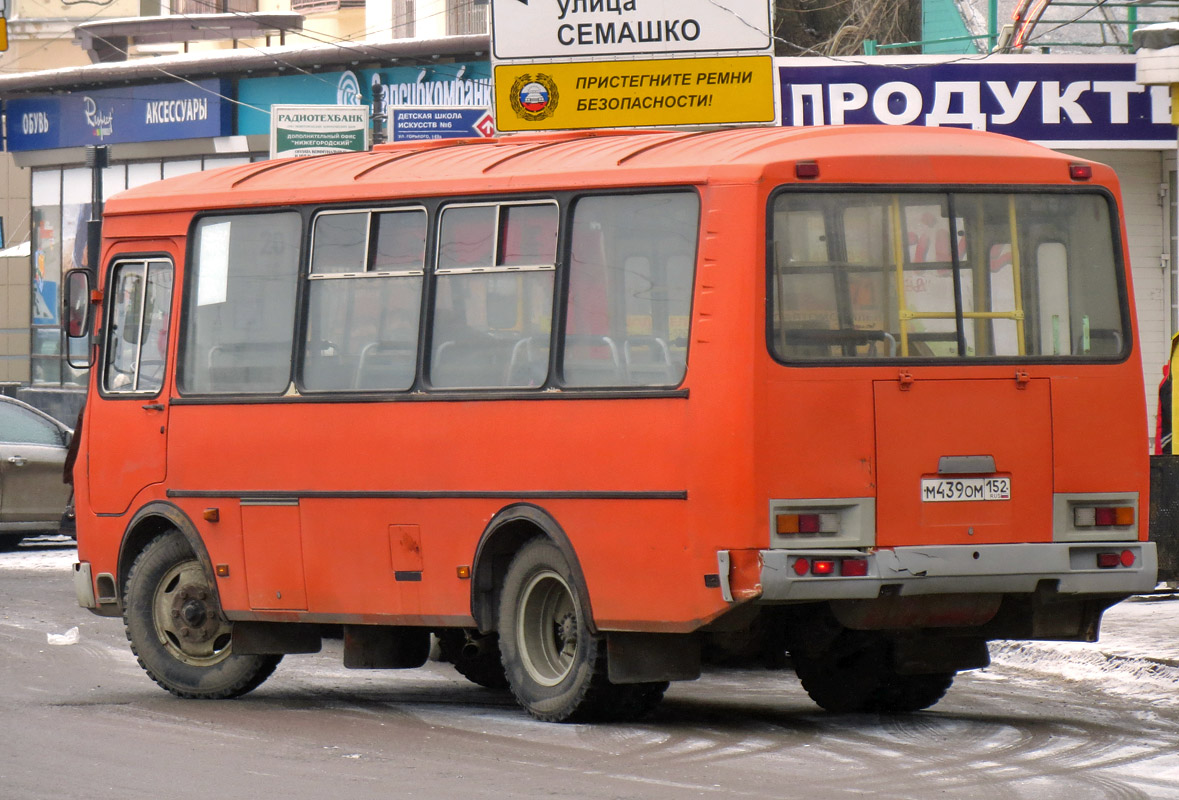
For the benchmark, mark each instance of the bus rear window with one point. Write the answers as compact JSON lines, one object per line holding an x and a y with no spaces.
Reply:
{"x":943,"y":275}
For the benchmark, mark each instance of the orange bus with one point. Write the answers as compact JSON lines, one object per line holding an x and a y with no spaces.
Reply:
{"x":589,"y":410}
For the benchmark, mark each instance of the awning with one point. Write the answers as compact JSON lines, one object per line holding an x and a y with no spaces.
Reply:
{"x":16,"y":251}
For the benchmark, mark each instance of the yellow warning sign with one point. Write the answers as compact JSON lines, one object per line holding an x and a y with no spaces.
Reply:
{"x":632,"y":94}
{"x":3,"y":34}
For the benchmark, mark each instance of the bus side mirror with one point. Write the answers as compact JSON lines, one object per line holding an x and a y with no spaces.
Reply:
{"x":78,"y":317}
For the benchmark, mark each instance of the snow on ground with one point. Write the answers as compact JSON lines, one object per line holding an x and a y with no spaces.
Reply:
{"x":1138,"y":648}
{"x":42,"y":554}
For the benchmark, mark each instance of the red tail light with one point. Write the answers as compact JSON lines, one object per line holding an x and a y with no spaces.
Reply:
{"x":853,"y":567}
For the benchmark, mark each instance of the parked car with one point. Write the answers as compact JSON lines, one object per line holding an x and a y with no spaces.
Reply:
{"x":34,"y":500}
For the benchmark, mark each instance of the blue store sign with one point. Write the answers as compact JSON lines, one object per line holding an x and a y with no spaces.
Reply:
{"x":409,"y":123}
{"x":1056,"y":100}
{"x":459,"y":84}
{"x":160,"y":112}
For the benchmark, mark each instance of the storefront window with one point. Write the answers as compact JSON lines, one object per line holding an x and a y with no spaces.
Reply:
{"x":61,"y":207}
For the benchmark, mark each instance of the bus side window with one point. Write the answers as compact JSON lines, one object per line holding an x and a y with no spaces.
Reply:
{"x":631,"y":269}
{"x":364,"y":300}
{"x":137,"y":341}
{"x":239,"y":326}
{"x":494,"y":295}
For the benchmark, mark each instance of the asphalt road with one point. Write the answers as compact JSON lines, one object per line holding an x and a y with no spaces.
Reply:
{"x":83,"y":721}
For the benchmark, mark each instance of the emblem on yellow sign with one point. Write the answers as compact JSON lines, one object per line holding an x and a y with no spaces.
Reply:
{"x":534,"y":97}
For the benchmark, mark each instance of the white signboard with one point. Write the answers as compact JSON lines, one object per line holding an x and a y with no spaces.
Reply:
{"x":317,"y":130}
{"x":530,"y":29}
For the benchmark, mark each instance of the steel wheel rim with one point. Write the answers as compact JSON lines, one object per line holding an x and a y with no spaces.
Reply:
{"x":187,"y":619}
{"x":546,"y":628}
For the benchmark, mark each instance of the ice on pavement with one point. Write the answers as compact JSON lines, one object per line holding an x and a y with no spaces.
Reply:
{"x":1139,"y":643}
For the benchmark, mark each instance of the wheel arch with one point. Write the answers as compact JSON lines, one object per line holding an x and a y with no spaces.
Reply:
{"x":503,"y":537}
{"x":149,"y":522}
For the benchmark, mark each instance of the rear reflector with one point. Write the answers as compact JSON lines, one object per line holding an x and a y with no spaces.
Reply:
{"x":1127,"y":558}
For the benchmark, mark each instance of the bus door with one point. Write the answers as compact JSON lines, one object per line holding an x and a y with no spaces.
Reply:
{"x":132,"y":420}
{"x":963,"y":461}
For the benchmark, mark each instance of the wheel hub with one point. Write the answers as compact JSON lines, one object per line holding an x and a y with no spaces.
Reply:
{"x":193,"y":621}
{"x":567,"y":633}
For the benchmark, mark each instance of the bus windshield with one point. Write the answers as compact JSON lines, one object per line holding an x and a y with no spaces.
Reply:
{"x":928,"y":274}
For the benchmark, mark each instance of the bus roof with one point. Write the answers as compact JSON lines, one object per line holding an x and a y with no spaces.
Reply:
{"x":544,"y":162}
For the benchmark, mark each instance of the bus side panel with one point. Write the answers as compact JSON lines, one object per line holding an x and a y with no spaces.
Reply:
{"x":352,"y":548}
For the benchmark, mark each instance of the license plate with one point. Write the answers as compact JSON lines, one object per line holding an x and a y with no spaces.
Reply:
{"x":951,"y":490}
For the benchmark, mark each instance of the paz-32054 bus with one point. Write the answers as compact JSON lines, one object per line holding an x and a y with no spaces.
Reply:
{"x":590,"y":409}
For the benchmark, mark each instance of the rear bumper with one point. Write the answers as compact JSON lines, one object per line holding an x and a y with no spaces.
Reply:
{"x":769,"y":575}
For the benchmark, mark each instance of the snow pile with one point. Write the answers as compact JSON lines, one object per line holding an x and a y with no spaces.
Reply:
{"x":1138,"y":652}
{"x":59,"y":559}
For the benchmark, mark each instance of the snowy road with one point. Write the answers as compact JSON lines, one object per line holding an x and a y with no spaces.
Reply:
{"x":82,"y":720}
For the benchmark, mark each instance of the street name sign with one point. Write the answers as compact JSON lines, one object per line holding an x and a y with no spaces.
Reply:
{"x":542,"y":29}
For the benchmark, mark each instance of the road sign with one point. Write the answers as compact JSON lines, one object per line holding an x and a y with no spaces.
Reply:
{"x":532,"y":29}
{"x":623,"y":94}
{"x":407,"y":123}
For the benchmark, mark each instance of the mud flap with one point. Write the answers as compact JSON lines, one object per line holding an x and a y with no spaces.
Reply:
{"x":929,"y":655}
{"x":650,"y":657}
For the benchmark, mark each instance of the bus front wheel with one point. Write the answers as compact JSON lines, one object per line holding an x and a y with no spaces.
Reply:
{"x":177,"y":630}
{"x":555,"y":666}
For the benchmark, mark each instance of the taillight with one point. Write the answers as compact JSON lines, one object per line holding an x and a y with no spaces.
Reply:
{"x":1126,"y":558}
{"x":807,"y":522}
{"x":853,"y":567}
{"x":822,"y":567}
{"x":1103,"y":516}
{"x":1080,"y":172}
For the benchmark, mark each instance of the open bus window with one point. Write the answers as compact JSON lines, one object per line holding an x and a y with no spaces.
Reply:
{"x":943,"y":275}
{"x":631,"y":269}
{"x":137,"y":334}
{"x":493,"y":300}
{"x":239,"y":329}
{"x":364,"y":300}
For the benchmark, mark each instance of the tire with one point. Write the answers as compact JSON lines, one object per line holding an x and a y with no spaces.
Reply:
{"x":9,"y":542}
{"x":555,"y":667}
{"x":863,"y":679}
{"x":474,"y":656}
{"x":177,"y":630}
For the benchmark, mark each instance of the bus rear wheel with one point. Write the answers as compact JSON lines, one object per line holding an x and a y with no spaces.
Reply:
{"x":177,"y":630}
{"x":863,"y":679}
{"x":555,"y":666}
